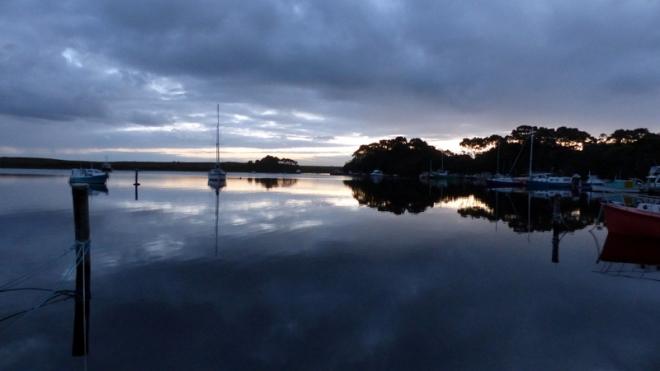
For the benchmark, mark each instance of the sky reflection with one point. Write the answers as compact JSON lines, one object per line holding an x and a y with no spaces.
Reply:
{"x":323,"y":274}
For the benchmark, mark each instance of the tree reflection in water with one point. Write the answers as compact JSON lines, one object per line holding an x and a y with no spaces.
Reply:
{"x":523,"y":212}
{"x":269,"y":183}
{"x":535,"y":211}
{"x":401,"y":196}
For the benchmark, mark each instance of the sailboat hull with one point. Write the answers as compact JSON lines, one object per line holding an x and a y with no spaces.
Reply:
{"x":547,"y":185}
{"x":96,"y":179}
{"x":217,"y":175}
{"x":502,"y":183}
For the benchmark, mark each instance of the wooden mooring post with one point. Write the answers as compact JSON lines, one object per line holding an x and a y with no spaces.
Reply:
{"x":136,"y":184}
{"x":80,"y":345}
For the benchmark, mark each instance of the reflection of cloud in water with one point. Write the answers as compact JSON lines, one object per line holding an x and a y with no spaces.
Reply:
{"x":342,"y":202}
{"x":163,"y":246}
{"x":306,"y":224}
{"x":189,"y":209}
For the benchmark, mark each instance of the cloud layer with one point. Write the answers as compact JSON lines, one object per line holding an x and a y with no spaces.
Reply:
{"x":80,"y":78}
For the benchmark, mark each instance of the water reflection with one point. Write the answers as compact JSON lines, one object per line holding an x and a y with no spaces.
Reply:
{"x":401,"y":196}
{"x":269,"y":183}
{"x":309,"y":279}
{"x":557,"y":211}
{"x":216,"y":185}
{"x":630,"y":257}
{"x":532,"y":212}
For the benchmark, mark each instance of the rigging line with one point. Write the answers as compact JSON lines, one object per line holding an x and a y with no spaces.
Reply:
{"x":66,"y":294}
{"x":27,"y":289}
{"x":25,"y":276}
{"x":79,"y":257}
{"x":47,"y":301}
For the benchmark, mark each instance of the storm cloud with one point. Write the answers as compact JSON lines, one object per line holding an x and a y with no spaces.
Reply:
{"x":315,"y":78}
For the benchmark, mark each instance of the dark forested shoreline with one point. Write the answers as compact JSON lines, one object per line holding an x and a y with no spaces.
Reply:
{"x":264,"y":165}
{"x":565,"y":151}
{"x":623,"y":153}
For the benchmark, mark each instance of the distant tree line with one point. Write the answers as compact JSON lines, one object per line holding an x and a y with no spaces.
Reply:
{"x":272,"y":164}
{"x":269,"y":164}
{"x":623,"y":153}
{"x":403,"y":157}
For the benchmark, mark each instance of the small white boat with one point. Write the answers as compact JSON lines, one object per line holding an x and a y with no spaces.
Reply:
{"x":548,"y":181}
{"x":653,"y":180}
{"x":89,"y":176}
{"x":377,"y":174}
{"x":436,"y":174}
{"x":503,"y":181}
{"x":549,"y":194}
{"x":217,"y":175}
{"x":619,"y":186}
{"x":542,"y":181}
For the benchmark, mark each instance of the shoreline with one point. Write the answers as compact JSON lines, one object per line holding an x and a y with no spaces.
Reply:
{"x":57,"y":164}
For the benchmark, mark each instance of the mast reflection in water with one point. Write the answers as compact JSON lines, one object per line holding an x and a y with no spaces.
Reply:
{"x":328,"y":272}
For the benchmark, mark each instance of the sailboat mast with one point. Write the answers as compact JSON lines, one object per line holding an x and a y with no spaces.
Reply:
{"x":217,"y":141}
{"x":499,"y":144}
{"x":531,"y":151}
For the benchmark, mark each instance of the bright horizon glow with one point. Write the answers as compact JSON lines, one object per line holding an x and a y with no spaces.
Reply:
{"x":332,"y":155}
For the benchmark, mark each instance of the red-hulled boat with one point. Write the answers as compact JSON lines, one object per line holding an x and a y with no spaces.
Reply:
{"x":642,"y":221}
{"x":630,"y":249}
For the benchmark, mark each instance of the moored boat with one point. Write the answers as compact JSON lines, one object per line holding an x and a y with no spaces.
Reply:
{"x":89,"y":176}
{"x":652,"y":184}
{"x":643,"y":220}
{"x":433,"y":175}
{"x":499,"y":181}
{"x":548,"y":181}
{"x":537,"y":181}
{"x":376,"y":176}
{"x":217,"y":175}
{"x":618,"y":186}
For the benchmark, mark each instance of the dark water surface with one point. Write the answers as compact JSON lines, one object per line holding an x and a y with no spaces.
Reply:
{"x":320,"y":272}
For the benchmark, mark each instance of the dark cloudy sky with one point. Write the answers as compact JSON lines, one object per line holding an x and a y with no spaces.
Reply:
{"x":314,"y":79}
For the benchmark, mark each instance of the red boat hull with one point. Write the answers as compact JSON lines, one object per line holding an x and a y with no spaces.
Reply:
{"x":631,"y":249}
{"x":631,"y":221}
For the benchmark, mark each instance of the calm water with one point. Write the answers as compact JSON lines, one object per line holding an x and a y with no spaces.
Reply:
{"x":319,"y":272}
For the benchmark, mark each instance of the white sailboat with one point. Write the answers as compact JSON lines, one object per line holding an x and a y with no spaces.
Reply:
{"x":217,"y":175}
{"x":547,"y":180}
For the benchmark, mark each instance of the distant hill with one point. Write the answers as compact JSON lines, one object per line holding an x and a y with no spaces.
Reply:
{"x":50,"y":163}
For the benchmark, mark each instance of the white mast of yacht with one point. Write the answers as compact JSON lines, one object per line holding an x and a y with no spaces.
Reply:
{"x":531,"y":150}
{"x":217,"y":174}
{"x":217,"y":141}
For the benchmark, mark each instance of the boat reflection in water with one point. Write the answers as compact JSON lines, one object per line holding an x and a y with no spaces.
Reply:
{"x":217,"y":185}
{"x":630,"y":257}
{"x":557,"y":211}
{"x":520,"y":210}
{"x":98,"y":189}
